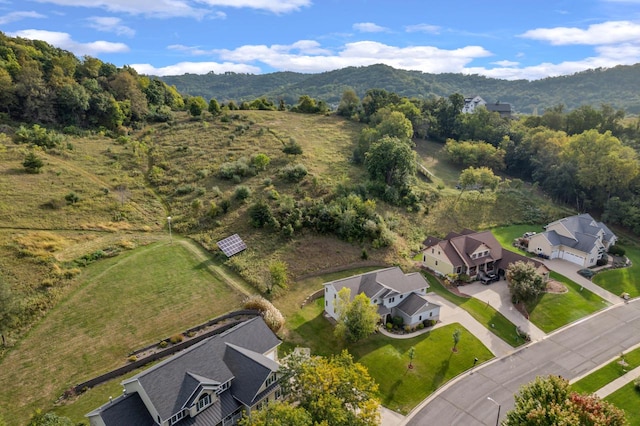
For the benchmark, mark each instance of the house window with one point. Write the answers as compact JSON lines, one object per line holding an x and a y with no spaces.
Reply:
{"x":420,"y":318}
{"x":326,"y":303}
{"x":176,"y":418}
{"x":436,"y":263}
{"x":334,"y":296}
{"x":430,"y":314}
{"x":271,"y":379}
{"x":424,"y":258}
{"x":204,"y":401}
{"x":278,"y":393}
{"x":375,"y":301}
{"x":438,"y":252}
{"x":433,"y":251}
{"x":223,"y":387}
{"x":392,"y":299}
{"x":401,"y":296}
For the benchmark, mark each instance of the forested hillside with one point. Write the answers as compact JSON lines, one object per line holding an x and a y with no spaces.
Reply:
{"x":619,"y":86}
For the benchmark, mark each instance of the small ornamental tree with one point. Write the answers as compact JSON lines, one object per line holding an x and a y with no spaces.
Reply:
{"x":525,"y":283}
{"x":214,"y":107}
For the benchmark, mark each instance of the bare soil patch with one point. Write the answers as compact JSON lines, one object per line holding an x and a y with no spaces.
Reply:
{"x":555,"y":287}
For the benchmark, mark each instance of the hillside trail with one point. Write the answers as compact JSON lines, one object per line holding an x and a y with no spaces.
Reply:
{"x":203,"y":256}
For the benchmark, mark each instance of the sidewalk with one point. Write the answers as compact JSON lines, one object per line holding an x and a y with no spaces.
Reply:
{"x":570,"y":270}
{"x":611,"y":387}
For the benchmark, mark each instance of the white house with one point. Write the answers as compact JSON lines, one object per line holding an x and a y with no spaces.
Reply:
{"x":577,"y":239}
{"x":471,"y":103}
{"x":394,"y":292}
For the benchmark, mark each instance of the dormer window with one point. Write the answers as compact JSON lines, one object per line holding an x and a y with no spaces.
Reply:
{"x":204,"y":401}
{"x":176,"y":418}
{"x":271,"y":379}
{"x":223,"y":387}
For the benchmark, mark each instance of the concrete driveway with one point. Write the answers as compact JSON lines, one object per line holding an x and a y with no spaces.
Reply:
{"x":570,"y":270}
{"x":497,"y":295}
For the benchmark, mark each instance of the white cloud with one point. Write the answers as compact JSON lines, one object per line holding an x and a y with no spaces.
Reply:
{"x":274,"y":6}
{"x":310,"y":57}
{"x":64,"y":41}
{"x":369,"y":27}
{"x":183,"y":8}
{"x":156,"y":8}
{"x":110,"y":24}
{"x":423,"y":28}
{"x":17,"y":16}
{"x":191,"y":50}
{"x":195,"y":68}
{"x":509,"y":64}
{"x":597,"y":34}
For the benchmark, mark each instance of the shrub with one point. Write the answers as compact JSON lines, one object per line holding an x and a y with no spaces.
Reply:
{"x":176,"y":338}
{"x":242,"y":193}
{"x":71,"y":198}
{"x":292,"y":148}
{"x":636,"y":384}
{"x":270,"y":313}
{"x":184,"y":189}
{"x":389,"y":326}
{"x":616,"y":251}
{"x":293,"y":173}
{"x":164,"y":344}
{"x":133,"y":358}
{"x":397,"y":321}
{"x":32,"y":163}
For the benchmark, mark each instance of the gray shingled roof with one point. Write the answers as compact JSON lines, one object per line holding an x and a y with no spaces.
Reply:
{"x":584,"y":229}
{"x":126,"y":410}
{"x":171,"y":383}
{"x":251,"y":370}
{"x":381,"y":283}
{"x":414,"y":304}
{"x":214,"y":414}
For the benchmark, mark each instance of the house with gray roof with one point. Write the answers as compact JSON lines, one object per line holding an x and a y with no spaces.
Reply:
{"x":471,"y":253}
{"x":391,"y":290}
{"x":211,"y":383}
{"x":578,"y":239}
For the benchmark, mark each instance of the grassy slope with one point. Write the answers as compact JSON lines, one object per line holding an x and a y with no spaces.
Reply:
{"x":189,"y":153}
{"x":121,"y":304}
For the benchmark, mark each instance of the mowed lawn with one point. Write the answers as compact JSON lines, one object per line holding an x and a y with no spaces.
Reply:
{"x":627,"y":398}
{"x":552,"y":311}
{"x":122,"y":304}
{"x":622,"y":280}
{"x":506,"y":234}
{"x":387,"y":359}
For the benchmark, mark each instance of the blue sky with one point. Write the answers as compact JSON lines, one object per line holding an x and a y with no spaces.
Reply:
{"x":512,"y":39}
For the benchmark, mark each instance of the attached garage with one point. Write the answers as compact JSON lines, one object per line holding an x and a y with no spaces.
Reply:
{"x":573,"y":258}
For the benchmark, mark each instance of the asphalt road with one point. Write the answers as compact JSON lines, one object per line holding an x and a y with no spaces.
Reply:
{"x":571,"y":352}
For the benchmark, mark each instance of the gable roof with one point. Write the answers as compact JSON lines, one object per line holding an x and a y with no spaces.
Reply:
{"x":415,"y":304}
{"x":584,"y":229}
{"x":125,"y":410}
{"x":171,"y":383}
{"x":382,"y":283}
{"x":458,"y":247}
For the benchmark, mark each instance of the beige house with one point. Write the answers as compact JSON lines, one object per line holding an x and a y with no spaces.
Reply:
{"x":578,"y":239}
{"x":471,"y":253}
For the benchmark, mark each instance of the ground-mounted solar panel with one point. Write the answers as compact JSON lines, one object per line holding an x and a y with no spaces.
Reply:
{"x":232,"y":245}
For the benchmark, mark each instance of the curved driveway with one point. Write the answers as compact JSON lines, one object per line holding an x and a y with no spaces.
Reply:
{"x":570,"y":352}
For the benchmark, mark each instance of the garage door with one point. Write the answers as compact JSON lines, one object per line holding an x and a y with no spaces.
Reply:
{"x":572,"y":258}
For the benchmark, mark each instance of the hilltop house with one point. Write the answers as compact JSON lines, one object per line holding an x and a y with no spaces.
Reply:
{"x":577,"y":239}
{"x":473,"y":102}
{"x":394,"y":292}
{"x":471,"y":253}
{"x":211,"y":383}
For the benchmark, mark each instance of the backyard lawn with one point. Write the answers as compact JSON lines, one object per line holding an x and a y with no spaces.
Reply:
{"x":622,"y":280}
{"x":550,"y":311}
{"x":387,"y":359}
{"x":495,"y":322}
{"x":506,"y":234}
{"x":121,"y":304}
{"x":627,"y":398}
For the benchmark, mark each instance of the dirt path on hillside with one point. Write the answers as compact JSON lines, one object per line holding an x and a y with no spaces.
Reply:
{"x":216,"y":270}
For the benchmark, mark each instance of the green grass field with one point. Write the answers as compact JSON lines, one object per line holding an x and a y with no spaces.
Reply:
{"x":506,"y":234}
{"x":550,"y":311}
{"x":627,"y":398}
{"x":623,"y":280}
{"x":485,"y":314}
{"x":122,"y":303}
{"x":401,"y":388}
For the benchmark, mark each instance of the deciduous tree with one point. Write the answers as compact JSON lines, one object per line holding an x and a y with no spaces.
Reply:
{"x":525,"y":283}
{"x":357,"y":318}
{"x":391,"y":161}
{"x":550,"y":401}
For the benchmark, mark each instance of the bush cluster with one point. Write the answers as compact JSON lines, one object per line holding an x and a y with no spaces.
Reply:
{"x":270,"y":313}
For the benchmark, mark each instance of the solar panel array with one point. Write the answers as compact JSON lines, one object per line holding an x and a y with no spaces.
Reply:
{"x":232,"y":245}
